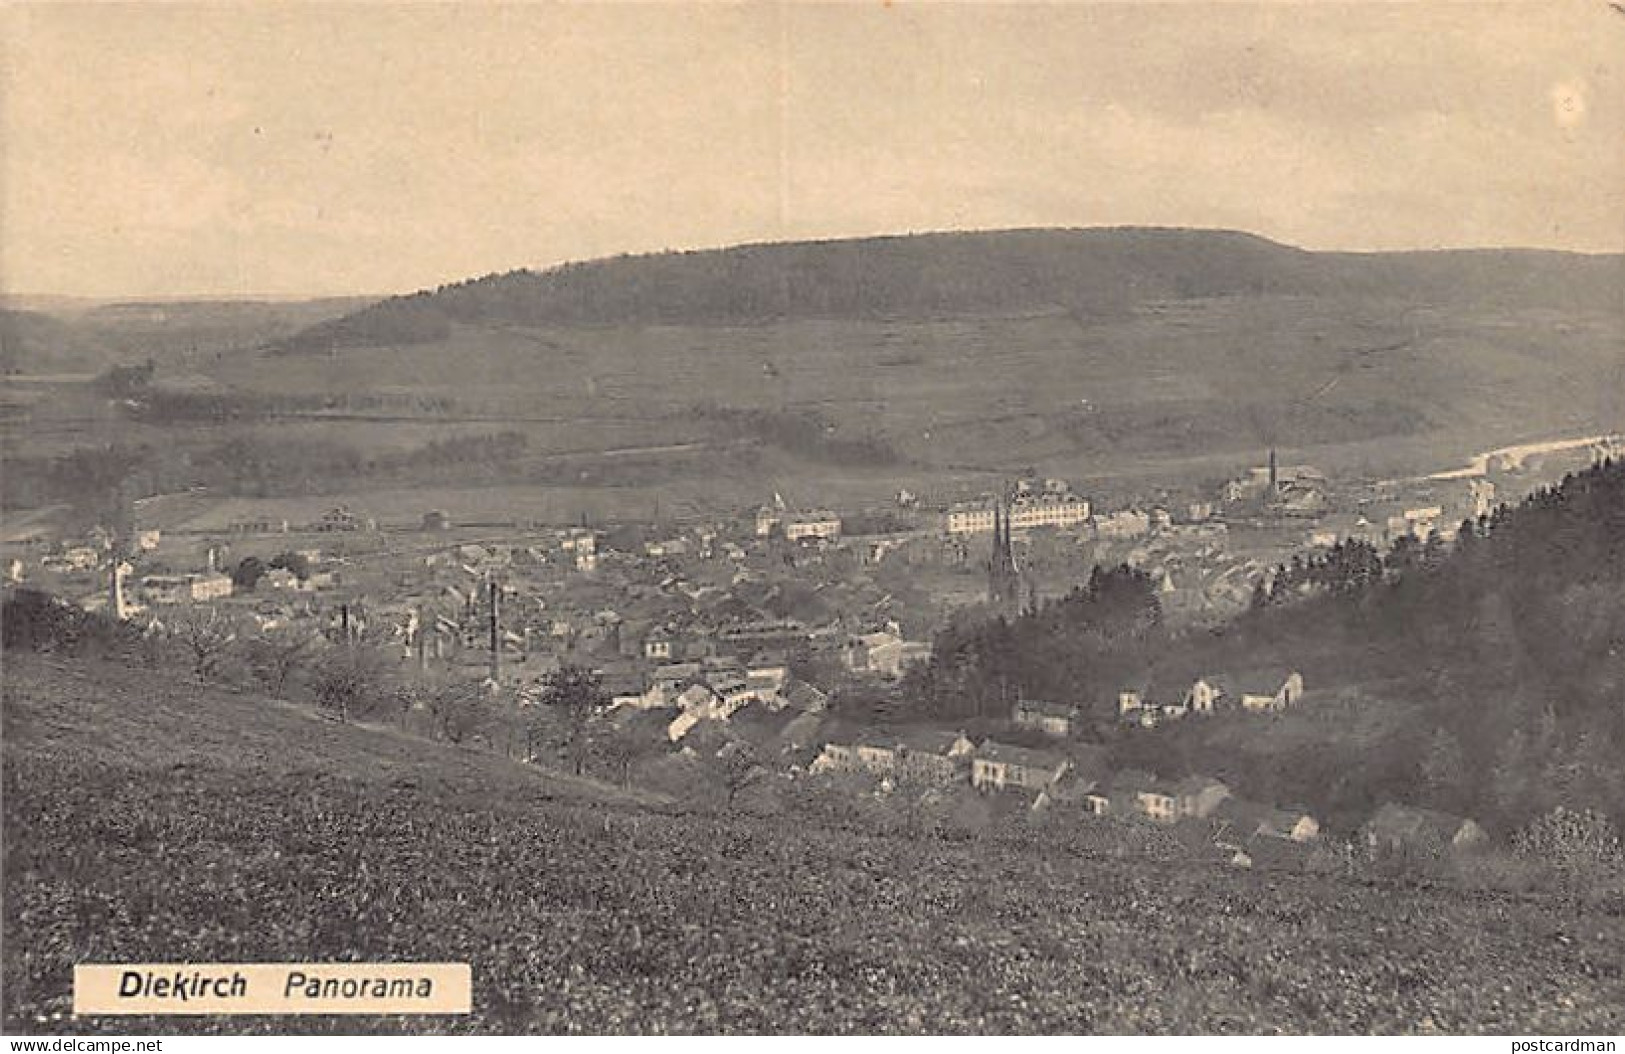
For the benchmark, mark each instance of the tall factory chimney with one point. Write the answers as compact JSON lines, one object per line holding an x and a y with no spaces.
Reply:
{"x":496,"y":639}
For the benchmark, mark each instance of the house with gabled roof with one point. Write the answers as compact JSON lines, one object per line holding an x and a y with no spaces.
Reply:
{"x":1001,"y":766}
{"x":934,"y":752}
{"x":863,"y":752}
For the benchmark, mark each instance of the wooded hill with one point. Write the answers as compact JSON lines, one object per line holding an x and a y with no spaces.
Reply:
{"x":1483,"y":677}
{"x":1091,"y":272}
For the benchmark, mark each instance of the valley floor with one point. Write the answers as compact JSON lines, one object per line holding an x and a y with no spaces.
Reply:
{"x":151,"y":820}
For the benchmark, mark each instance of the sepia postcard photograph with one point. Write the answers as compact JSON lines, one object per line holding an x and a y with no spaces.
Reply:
{"x":813,"y":518}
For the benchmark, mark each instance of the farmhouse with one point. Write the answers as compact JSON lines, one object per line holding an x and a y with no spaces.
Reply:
{"x":931,"y":752}
{"x":998,"y":766}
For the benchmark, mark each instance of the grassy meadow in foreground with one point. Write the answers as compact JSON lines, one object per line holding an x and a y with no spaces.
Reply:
{"x":150,"y":820}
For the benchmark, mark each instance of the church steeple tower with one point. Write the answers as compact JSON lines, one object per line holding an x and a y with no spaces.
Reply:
{"x":1003,"y":577}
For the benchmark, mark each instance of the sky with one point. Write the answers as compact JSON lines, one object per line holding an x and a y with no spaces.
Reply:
{"x":254,"y":149}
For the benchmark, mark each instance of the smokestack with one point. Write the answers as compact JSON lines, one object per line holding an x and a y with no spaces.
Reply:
{"x":1274,"y":473}
{"x":115,"y":597}
{"x":496,"y":641}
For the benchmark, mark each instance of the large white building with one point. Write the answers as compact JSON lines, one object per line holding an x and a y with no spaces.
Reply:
{"x":184,"y":589}
{"x":812,"y":525}
{"x":1051,"y":510}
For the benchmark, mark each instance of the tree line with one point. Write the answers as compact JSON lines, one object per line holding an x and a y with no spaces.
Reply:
{"x":95,"y":479}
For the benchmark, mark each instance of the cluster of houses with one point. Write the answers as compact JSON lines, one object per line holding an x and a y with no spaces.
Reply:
{"x":1207,"y":695}
{"x":1079,"y":777}
{"x":717,"y":689}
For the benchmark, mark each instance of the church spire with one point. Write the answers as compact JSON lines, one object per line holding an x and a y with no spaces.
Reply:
{"x":1003,"y":578}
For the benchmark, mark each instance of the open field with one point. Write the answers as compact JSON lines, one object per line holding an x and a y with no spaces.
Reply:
{"x":152,"y":820}
{"x":1170,"y":380}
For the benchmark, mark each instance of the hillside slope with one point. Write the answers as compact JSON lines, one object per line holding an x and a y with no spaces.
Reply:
{"x":1077,"y":350}
{"x":137,"y":830}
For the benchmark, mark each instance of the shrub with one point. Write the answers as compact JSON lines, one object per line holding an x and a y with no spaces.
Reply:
{"x":1580,"y":848}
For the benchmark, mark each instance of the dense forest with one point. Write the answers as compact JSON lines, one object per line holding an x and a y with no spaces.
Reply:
{"x":1504,"y":653}
{"x":1080,"y":646}
{"x":1096,"y":272}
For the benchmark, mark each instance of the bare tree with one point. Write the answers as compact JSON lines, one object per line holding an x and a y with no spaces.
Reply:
{"x":275,"y":655}
{"x":206,"y":634}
